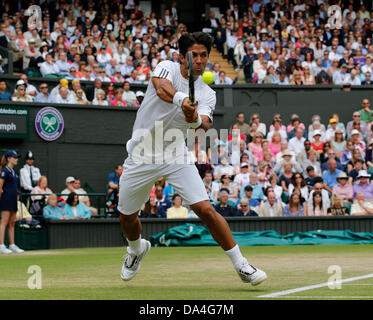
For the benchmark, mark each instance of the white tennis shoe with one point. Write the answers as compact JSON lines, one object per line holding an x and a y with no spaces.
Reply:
{"x":132,"y":261}
{"x":14,"y":248}
{"x":250,"y":274}
{"x":4,"y":250}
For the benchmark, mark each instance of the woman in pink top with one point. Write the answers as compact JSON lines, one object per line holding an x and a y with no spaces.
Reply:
{"x":255,"y":147}
{"x":294,"y":123}
{"x":21,"y":39}
{"x":118,"y":102}
{"x":265,"y":148}
{"x":275,"y":145}
{"x":343,"y":188}
{"x":277,"y":120}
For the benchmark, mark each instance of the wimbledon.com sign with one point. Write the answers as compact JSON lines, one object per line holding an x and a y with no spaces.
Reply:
{"x":14,"y":122}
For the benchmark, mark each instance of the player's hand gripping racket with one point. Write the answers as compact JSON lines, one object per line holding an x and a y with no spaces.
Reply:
{"x":191,"y":77}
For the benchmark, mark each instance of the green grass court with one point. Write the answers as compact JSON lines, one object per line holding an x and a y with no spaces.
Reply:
{"x":187,"y":273}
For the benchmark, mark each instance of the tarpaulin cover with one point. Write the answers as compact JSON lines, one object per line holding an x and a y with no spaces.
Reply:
{"x":190,"y":234}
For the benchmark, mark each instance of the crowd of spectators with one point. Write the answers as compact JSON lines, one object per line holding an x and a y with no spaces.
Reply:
{"x":273,"y":41}
{"x":284,"y":169}
{"x":296,"y":42}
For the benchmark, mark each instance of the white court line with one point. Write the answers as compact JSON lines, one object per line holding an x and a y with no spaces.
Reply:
{"x":286,"y":292}
{"x":330,"y":297}
{"x":359,"y":284}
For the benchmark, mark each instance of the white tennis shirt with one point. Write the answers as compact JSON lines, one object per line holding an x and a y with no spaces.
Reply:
{"x":160,"y":126}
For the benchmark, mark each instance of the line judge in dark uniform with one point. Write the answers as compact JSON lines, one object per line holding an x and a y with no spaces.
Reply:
{"x":8,"y":200}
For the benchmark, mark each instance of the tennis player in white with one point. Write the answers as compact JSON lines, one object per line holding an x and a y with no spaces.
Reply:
{"x":166,"y":104}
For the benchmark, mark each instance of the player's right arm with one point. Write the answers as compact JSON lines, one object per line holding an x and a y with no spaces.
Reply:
{"x":162,"y":79}
{"x":164,"y":89}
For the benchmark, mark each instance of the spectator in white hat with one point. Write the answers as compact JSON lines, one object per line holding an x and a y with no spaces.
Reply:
{"x":31,"y":53}
{"x":140,"y":97}
{"x":358,"y":141}
{"x":317,"y":144}
{"x":243,"y":178}
{"x":364,"y":186}
{"x":69,"y":187}
{"x":316,"y":126}
{"x":20,"y":94}
{"x":343,"y":188}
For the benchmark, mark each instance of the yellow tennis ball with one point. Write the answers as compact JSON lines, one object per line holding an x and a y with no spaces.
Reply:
{"x":208,"y":77}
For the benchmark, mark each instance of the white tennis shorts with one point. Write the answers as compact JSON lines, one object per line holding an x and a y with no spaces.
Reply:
{"x":137,"y":180}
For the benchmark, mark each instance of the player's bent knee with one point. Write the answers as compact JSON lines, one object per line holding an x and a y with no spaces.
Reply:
{"x":204,"y":210}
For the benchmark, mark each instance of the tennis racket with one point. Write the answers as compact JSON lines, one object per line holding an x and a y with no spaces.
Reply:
{"x":191,"y":77}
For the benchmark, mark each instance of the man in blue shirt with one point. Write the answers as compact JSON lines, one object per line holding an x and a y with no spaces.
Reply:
{"x":43,"y":95}
{"x":162,"y":202}
{"x":330,"y":176}
{"x":62,"y":64}
{"x":127,"y":68}
{"x":4,"y":95}
{"x":248,"y":195}
{"x":256,"y":189}
{"x":331,"y":155}
{"x":113,"y":182}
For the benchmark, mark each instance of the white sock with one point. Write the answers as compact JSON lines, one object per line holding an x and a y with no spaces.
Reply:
{"x":135,"y":245}
{"x":235,"y":255}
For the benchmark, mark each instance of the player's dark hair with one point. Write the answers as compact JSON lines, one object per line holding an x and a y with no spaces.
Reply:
{"x":189,"y":39}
